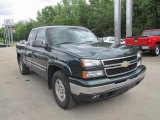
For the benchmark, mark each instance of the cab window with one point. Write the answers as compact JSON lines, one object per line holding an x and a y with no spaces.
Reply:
{"x":41,"y":35}
{"x":32,"y":35}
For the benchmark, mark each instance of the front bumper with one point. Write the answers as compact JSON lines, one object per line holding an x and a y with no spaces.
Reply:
{"x":98,"y":91}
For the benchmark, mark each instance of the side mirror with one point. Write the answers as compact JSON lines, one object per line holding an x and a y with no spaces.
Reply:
{"x":39,"y":43}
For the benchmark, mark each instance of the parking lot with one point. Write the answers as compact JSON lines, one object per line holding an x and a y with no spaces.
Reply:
{"x":28,"y":98}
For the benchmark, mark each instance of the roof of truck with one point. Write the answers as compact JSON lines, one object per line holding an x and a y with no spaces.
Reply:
{"x":63,"y":26}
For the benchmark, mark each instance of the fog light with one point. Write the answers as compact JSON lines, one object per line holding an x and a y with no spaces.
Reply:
{"x":95,"y":96}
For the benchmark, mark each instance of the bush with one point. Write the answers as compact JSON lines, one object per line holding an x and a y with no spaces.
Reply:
{"x":2,"y":40}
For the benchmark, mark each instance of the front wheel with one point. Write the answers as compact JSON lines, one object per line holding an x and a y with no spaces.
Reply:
{"x":156,"y":51}
{"x":23,"y":68}
{"x":61,"y":90}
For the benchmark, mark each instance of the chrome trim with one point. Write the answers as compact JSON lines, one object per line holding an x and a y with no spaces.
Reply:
{"x":115,"y":59}
{"x":133,"y":60}
{"x":37,"y":66}
{"x":119,"y":63}
{"x":44,"y":68}
{"x":75,"y":89}
{"x":119,"y":66}
{"x":119,"y":58}
{"x":145,"y":47}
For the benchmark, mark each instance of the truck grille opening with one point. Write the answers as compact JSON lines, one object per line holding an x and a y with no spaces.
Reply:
{"x":114,"y":67}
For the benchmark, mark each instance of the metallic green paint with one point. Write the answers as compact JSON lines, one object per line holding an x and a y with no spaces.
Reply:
{"x":67,"y":57}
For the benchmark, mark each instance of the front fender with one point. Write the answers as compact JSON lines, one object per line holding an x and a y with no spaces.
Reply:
{"x":61,"y":65}
{"x":57,"y":64}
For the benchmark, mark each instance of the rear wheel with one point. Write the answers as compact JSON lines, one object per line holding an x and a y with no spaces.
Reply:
{"x":156,"y":51}
{"x":61,"y":90}
{"x":23,"y":68}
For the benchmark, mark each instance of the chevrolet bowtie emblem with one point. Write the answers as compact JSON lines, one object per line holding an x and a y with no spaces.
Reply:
{"x":125,"y":64}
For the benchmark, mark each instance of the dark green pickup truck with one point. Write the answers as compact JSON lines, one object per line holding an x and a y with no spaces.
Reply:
{"x":77,"y":66}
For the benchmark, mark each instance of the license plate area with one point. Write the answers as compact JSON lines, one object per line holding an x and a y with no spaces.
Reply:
{"x":145,"y":47}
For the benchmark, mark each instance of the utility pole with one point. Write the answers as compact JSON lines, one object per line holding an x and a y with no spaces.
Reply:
{"x":129,"y":11}
{"x":11,"y":30}
{"x":117,"y":22}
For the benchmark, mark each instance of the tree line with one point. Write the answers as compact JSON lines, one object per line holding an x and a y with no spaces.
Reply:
{"x":97,"y":15}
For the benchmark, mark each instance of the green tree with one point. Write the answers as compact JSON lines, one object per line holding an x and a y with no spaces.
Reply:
{"x":23,"y":29}
{"x":97,"y":15}
{"x":2,"y":40}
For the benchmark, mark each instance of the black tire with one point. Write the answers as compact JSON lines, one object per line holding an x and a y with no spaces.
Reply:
{"x":23,"y":68}
{"x":65,"y":100}
{"x":156,"y":51}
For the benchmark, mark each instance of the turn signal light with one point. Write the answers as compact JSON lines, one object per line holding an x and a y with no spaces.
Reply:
{"x":92,"y":74}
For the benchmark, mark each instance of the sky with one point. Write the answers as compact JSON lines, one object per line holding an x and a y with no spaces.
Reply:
{"x":22,"y":9}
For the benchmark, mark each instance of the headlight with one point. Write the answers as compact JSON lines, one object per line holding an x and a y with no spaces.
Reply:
{"x":90,"y":63}
{"x":92,"y":74}
{"x":139,"y":58}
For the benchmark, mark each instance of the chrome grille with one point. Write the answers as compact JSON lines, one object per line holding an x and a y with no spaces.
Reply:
{"x":120,"y":70}
{"x":114,"y":67}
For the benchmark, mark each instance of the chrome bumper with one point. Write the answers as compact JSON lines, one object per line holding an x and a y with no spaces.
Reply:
{"x":145,"y":47}
{"x":75,"y":89}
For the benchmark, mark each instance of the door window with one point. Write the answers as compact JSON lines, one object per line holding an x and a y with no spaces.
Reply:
{"x":32,"y":35}
{"x":41,"y":35}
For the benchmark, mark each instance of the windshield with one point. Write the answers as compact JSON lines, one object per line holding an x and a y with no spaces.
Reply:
{"x":70,"y":35}
{"x":151,"y":33}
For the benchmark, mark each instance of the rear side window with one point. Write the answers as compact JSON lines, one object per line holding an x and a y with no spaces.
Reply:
{"x":32,"y":36}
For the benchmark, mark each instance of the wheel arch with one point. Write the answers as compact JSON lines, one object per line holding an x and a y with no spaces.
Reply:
{"x":158,"y":43}
{"x":52,"y":68}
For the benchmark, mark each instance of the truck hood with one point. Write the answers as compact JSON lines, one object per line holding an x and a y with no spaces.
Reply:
{"x":99,"y":50}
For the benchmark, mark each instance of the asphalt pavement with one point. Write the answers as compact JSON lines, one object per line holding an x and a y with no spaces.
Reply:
{"x":28,"y":98}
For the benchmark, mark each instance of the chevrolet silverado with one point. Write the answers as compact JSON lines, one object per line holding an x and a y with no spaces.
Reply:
{"x":77,"y":66}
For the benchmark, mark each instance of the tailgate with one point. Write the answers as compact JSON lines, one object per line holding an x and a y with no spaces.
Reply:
{"x":140,"y":41}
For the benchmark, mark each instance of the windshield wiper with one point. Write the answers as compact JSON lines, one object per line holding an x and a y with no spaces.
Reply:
{"x":64,"y":43}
